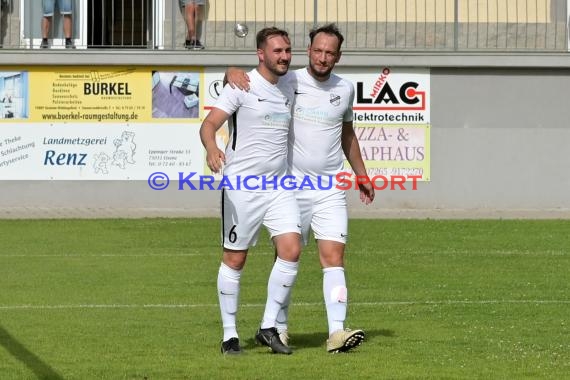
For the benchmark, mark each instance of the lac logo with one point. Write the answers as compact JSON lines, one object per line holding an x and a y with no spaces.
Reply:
{"x":388,"y":93}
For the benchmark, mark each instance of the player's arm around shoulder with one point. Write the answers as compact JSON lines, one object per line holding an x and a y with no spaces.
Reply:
{"x":237,"y":78}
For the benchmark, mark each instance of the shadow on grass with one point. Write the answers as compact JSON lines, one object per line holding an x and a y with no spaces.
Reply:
{"x":20,"y":352}
{"x":318,"y":339}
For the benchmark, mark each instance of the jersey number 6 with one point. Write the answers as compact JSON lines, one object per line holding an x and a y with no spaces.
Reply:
{"x":232,"y":235}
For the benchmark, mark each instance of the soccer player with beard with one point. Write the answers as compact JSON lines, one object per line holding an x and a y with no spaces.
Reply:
{"x":321,"y":131}
{"x":259,"y":128}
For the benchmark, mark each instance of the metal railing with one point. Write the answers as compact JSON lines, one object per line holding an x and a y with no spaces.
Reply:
{"x":370,"y":25}
{"x":424,"y":25}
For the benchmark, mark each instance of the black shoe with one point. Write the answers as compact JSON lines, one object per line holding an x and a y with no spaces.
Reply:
{"x":231,"y":347}
{"x":197,"y":45}
{"x":270,"y":338}
{"x":69,"y":43}
{"x":189,"y":44}
{"x":44,"y":44}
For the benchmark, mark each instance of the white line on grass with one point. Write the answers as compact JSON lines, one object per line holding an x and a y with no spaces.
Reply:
{"x":306,"y":304}
{"x":269,"y":252}
{"x":152,"y":255}
{"x":81,"y":256}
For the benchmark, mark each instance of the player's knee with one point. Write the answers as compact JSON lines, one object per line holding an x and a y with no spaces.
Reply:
{"x":234,"y":261}
{"x":330,"y":261}
{"x":289,"y":249}
{"x":331,"y":253}
{"x":291,"y":255}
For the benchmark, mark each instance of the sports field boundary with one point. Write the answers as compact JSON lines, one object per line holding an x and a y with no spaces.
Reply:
{"x":259,"y":305}
{"x":137,"y":213}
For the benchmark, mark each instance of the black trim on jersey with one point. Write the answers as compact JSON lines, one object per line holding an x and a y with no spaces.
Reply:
{"x":234,"y":135}
{"x":223,"y":226}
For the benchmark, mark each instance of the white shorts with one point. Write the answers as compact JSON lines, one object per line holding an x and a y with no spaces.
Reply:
{"x":243,"y":213}
{"x":324,"y":212}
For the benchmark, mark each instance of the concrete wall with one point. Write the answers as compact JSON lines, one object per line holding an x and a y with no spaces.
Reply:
{"x":500,"y":144}
{"x":500,"y":139}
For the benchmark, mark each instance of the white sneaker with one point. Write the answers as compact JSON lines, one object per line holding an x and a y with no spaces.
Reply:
{"x":284,"y":336}
{"x":344,"y":340}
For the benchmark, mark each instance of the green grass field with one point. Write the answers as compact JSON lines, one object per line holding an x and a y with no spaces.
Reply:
{"x":136,"y":299}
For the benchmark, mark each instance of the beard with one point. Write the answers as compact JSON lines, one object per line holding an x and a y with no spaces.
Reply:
{"x":318,"y":71}
{"x":277,"y":68}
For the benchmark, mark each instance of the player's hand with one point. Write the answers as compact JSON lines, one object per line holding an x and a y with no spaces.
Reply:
{"x":215,"y":159}
{"x":237,"y":78}
{"x":366,"y":192}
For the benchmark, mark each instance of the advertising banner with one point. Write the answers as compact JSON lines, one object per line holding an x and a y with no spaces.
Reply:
{"x":392,"y":120}
{"x":110,"y":123}
{"x":123,"y":123}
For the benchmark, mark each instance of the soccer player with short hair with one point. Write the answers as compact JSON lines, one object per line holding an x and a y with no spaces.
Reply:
{"x":259,"y":122}
{"x":321,"y":131}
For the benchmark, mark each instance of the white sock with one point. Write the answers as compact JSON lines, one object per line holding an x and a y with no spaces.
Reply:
{"x":228,"y":295}
{"x":336,"y":297}
{"x":283,"y":316}
{"x":279,"y":286}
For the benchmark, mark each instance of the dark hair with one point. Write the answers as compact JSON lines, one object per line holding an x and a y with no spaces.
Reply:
{"x":331,"y":29}
{"x":265,"y":33}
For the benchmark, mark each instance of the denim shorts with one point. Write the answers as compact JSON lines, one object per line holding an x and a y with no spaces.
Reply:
{"x":65,"y":7}
{"x":185,"y":2}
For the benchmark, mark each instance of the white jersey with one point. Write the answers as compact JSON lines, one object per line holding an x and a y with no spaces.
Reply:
{"x":315,"y":139}
{"x":259,"y":127}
